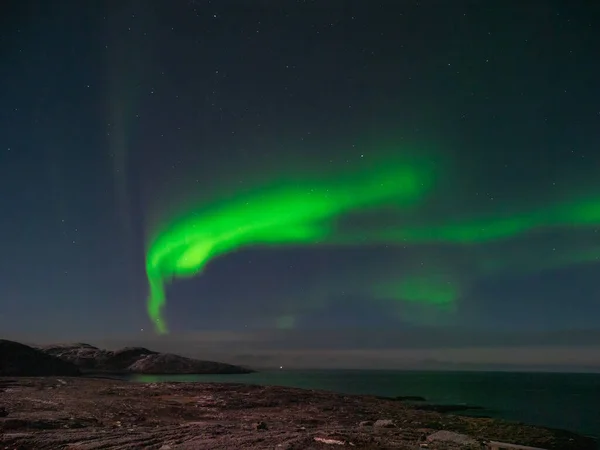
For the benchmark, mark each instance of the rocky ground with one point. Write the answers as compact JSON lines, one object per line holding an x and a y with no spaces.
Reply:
{"x":84,"y":413}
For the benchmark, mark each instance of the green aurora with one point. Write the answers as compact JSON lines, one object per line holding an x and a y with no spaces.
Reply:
{"x":307,"y":212}
{"x":581,"y":213}
{"x":434,"y":289}
{"x":299,"y":214}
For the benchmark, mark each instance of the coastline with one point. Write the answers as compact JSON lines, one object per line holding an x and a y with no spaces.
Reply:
{"x":87,"y":413}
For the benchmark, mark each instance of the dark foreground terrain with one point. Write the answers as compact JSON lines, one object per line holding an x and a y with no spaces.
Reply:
{"x":84,"y":413}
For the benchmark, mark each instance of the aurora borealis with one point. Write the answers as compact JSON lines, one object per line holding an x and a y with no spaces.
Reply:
{"x":288,"y":215}
{"x":381,"y":169}
{"x":305,"y":215}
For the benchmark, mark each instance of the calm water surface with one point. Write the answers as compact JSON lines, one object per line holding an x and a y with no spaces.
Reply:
{"x":567,"y":401}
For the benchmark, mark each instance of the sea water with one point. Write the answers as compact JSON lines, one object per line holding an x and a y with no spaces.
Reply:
{"x":557,"y":400}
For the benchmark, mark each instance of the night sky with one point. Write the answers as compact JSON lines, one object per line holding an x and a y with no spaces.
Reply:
{"x":273,"y":180}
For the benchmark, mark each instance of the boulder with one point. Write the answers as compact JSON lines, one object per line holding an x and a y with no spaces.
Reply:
{"x":384,"y":423}
{"x":451,"y":436}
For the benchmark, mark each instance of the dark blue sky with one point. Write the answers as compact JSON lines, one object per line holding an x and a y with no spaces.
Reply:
{"x":116,"y":115}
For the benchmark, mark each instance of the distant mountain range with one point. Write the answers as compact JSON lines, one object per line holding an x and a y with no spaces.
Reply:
{"x":17,"y":359}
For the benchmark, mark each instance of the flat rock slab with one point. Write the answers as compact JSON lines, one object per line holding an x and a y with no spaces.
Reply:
{"x":86,"y":414}
{"x":450,"y":436}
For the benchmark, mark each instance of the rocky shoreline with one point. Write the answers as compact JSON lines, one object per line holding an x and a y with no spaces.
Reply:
{"x":88,"y":413}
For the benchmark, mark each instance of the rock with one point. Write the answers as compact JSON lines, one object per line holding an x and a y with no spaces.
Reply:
{"x":13,"y":424}
{"x":366,"y":423}
{"x":329,"y":441}
{"x":24,"y":361}
{"x":261,"y":426}
{"x":450,"y":436}
{"x":384,"y":423}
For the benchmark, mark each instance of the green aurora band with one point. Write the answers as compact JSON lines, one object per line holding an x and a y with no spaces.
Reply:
{"x":307,"y":213}
{"x":582,"y":213}
{"x":285,"y":215}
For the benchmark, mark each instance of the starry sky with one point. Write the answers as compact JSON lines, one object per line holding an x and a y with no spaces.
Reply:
{"x":368,"y":181}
